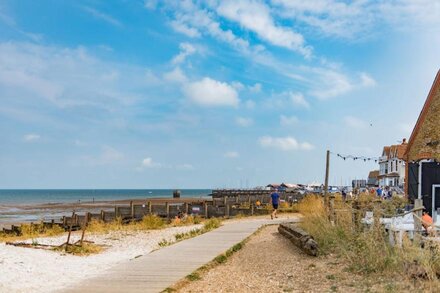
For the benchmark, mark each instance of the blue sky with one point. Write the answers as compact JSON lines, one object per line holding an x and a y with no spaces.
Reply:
{"x":195,"y":94}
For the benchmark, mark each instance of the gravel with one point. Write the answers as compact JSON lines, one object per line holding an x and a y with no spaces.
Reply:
{"x":271,"y":263}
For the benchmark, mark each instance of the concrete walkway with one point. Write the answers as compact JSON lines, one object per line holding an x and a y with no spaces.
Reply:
{"x":164,"y":267}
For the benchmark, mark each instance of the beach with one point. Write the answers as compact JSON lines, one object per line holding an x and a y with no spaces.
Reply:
{"x":36,"y":270}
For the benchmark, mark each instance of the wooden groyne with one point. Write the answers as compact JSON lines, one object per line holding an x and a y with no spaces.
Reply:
{"x":224,"y":203}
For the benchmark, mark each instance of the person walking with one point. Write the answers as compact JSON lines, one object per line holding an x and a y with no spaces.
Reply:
{"x":275,"y":199}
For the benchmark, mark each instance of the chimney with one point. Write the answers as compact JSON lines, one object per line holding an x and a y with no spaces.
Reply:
{"x":404,"y":141}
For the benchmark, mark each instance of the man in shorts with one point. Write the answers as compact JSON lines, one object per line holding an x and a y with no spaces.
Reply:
{"x":275,"y":199}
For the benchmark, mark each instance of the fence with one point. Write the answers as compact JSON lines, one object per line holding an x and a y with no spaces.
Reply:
{"x":227,"y":204}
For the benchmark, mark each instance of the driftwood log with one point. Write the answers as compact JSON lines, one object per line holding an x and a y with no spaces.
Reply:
{"x":299,"y":237}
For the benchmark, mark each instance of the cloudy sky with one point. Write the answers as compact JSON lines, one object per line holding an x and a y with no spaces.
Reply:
{"x":195,"y":94}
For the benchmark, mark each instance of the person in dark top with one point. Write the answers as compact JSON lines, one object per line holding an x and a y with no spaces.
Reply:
{"x":275,"y":199}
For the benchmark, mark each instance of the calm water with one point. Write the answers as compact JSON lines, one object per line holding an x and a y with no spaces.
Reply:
{"x":42,"y":196}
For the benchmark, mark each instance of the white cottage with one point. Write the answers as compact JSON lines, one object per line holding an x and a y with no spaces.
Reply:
{"x":392,"y":165}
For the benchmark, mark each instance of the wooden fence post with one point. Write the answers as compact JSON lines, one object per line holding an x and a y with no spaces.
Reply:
{"x":205,"y":206}
{"x":102,"y":215}
{"x":116,"y":212}
{"x":225,"y":200}
{"x":150,"y":209}
{"x":132,"y":210}
{"x":167,"y":208}
{"x":332,"y":214}
{"x":252,"y":209}
{"x":186,"y":208}
{"x":418,"y":203}
{"x":227,"y":211}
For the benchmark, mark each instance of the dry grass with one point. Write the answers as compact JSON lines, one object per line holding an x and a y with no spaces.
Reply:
{"x":368,"y":250}
{"x":81,"y":250}
{"x":32,"y":231}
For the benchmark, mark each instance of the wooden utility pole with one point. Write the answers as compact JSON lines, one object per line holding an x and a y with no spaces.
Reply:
{"x":327,"y":167}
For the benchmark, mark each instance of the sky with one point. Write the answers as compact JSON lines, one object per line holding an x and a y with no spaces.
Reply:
{"x":208,"y":94}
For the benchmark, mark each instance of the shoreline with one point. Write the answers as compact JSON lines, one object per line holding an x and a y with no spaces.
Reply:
{"x":16,"y":214}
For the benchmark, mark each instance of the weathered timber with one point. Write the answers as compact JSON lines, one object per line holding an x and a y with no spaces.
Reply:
{"x":299,"y":237}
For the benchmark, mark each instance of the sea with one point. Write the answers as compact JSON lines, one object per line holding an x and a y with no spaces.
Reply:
{"x":12,"y":201}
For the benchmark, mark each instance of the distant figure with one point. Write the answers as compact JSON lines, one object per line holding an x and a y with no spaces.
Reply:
{"x":427,"y":222}
{"x":275,"y":199}
{"x":379,"y":192}
{"x":387,"y":193}
{"x":344,"y":194}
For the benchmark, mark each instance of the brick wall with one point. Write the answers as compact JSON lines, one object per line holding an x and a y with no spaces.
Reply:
{"x":426,"y":144}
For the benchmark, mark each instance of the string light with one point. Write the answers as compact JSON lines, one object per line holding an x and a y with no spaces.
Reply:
{"x":355,"y":158}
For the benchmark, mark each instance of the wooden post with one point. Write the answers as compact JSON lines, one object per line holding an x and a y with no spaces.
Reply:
{"x":225,"y":200}
{"x":102,"y":215}
{"x":167,"y":208}
{"x":205,"y":207}
{"x":86,"y":221}
{"x":252,"y":209}
{"x":116,"y":212}
{"x":132,"y":210}
{"x":332,"y":214}
{"x":149,"y":208}
{"x":64,"y":221}
{"x":327,"y":170}
{"x":186,"y":208}
{"x":417,"y":223}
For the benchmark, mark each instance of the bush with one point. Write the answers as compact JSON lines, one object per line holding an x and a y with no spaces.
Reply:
{"x":367,"y":251}
{"x":211,"y":224}
{"x":151,"y":222}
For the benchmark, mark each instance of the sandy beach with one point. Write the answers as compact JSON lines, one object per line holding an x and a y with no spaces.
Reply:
{"x":35,"y":270}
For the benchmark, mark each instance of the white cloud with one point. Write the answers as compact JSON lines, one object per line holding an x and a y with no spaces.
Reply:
{"x":331,"y":84}
{"x":176,"y":75}
{"x":103,"y":16}
{"x":256,"y":88}
{"x":186,"y":49}
{"x":47,"y":76}
{"x":299,"y":100}
{"x":237,"y":85}
{"x":149,"y":163}
{"x":354,"y":122}
{"x":209,"y":92}
{"x":255,"y":16}
{"x":150,"y":4}
{"x":244,"y":122}
{"x":31,"y":137}
{"x":367,"y":80}
{"x":287,"y":143}
{"x":185,"y":29}
{"x":350,"y":19}
{"x":231,"y":154}
{"x":288,"y":120}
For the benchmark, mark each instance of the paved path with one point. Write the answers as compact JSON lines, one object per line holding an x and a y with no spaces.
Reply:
{"x":164,"y":267}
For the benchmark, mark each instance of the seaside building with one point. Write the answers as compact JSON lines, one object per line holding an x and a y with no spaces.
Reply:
{"x":359,"y":183}
{"x":392,"y":165}
{"x":423,"y":153}
{"x":373,"y":180}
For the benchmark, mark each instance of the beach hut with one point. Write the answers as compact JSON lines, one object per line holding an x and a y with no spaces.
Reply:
{"x":423,"y":154}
